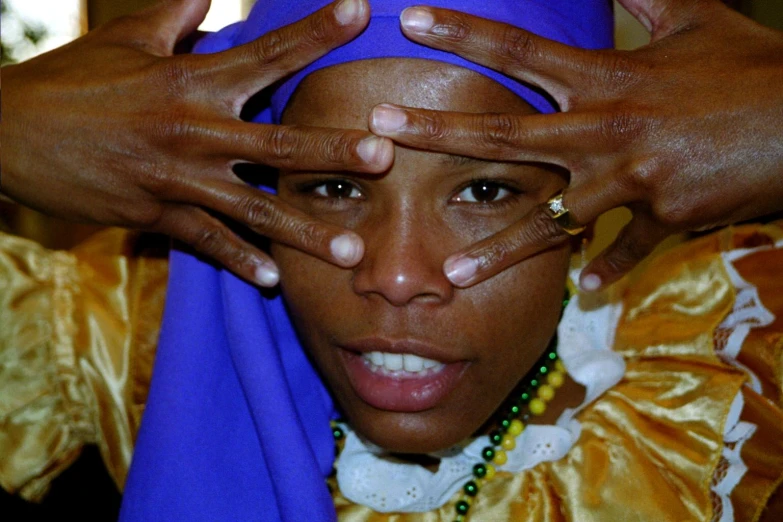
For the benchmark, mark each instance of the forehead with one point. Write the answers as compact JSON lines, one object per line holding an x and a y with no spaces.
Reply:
{"x":343,"y":95}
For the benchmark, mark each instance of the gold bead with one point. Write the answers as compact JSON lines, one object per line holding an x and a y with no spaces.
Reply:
{"x":508,"y":442}
{"x":516,"y":427}
{"x":546,"y":392}
{"x":490,"y":472}
{"x":500,"y":457}
{"x":555,"y":379}
{"x":559,"y":366}
{"x":537,"y":406}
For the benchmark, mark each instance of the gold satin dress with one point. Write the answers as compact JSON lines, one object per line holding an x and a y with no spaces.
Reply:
{"x":78,"y":331}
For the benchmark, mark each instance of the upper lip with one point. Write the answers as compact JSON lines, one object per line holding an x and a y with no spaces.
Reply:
{"x":415,"y":346}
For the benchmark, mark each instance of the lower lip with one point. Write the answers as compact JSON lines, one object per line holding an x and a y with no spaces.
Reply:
{"x":408,"y":393}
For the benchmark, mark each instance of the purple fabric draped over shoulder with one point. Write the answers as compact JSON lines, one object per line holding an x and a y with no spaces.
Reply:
{"x":237,"y":419}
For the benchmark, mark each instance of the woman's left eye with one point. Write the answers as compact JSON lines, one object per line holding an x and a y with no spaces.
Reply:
{"x":484,"y":191}
{"x":337,"y":189}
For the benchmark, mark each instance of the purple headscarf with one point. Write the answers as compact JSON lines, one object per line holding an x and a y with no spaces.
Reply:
{"x":237,"y":419}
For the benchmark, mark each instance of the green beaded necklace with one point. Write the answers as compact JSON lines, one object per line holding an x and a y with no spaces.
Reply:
{"x":537,"y":388}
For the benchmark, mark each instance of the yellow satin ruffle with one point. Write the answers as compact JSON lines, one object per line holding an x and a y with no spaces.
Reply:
{"x":78,"y":332}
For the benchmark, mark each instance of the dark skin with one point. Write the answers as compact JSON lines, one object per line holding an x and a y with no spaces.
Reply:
{"x":685,"y":132}
{"x":424,"y":208}
{"x":115,"y":129}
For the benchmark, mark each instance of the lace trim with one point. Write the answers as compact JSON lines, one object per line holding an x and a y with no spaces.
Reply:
{"x":748,"y":312}
{"x":586,"y":334}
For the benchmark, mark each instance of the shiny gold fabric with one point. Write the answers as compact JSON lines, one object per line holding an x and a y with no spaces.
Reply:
{"x":77,"y":335}
{"x":78,"y":332}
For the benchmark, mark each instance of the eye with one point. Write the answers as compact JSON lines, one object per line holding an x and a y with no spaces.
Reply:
{"x":484,"y":191}
{"x":337,"y":189}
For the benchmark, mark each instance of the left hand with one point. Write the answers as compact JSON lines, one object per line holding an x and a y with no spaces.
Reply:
{"x":686,"y":132}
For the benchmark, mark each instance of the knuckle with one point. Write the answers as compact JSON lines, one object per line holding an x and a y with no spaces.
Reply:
{"x":269,"y":48}
{"x":309,"y":235}
{"x":515,"y":47}
{"x":500,"y":130}
{"x":336,"y":149}
{"x":433,"y":127}
{"x":173,"y":128}
{"x":623,"y":128}
{"x":543,"y":230}
{"x":279,"y":143}
{"x":320,"y":29}
{"x":626,"y":254}
{"x":176,"y":77}
{"x":617,"y":70}
{"x":259,"y":211}
{"x":211,"y":240}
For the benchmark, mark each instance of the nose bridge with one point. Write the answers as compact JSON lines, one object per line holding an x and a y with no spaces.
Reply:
{"x":403,"y":261}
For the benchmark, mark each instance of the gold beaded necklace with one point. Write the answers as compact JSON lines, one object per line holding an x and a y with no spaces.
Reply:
{"x":537,"y":389}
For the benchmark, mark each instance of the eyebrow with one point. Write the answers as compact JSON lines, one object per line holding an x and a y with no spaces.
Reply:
{"x":456,"y":160}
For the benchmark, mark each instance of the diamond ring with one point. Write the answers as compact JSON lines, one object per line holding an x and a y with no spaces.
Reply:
{"x":560,"y":215}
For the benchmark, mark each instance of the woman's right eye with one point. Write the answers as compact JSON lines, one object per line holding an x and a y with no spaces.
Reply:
{"x":337,"y":189}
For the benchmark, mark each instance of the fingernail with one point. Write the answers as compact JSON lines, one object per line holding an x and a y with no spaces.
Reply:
{"x":590,"y":283}
{"x":347,"y":11}
{"x":267,"y":275}
{"x":417,"y":19}
{"x":347,"y":248}
{"x":371,"y":149}
{"x":386,"y":118}
{"x":461,"y":270}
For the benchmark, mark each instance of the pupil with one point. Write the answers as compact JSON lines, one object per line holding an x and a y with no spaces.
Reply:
{"x":338,"y":189}
{"x":484,"y":191}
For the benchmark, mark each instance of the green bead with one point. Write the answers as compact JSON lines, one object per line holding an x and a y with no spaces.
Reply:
{"x":534,"y":383}
{"x":338,"y":433}
{"x":488,"y":453}
{"x":525,"y":397}
{"x":471,"y":489}
{"x":504,"y":424}
{"x":462,"y":507}
{"x":552,"y":356}
{"x":479,"y":471}
{"x":496,"y":437}
{"x":543,"y":370}
{"x":514,"y":410}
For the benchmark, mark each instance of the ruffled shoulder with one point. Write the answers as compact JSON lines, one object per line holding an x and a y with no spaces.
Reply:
{"x":78,"y":332}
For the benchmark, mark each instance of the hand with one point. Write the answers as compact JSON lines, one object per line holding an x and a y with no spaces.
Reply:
{"x":686,"y":132}
{"x":114,"y":129}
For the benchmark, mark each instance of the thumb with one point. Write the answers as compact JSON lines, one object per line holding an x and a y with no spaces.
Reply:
{"x":164,"y":24}
{"x":662,"y":17}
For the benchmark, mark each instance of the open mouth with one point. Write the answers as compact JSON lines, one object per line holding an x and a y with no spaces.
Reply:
{"x":401,"y":382}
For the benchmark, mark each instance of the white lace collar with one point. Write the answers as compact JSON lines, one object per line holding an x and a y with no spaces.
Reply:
{"x":586,"y":335}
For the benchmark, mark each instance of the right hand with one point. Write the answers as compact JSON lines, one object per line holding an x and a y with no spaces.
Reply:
{"x":114,"y":129}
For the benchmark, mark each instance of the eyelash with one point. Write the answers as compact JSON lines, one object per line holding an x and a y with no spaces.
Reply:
{"x":320,"y":189}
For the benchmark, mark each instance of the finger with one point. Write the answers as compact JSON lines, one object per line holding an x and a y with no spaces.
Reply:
{"x":301,"y":148}
{"x":268,"y":216}
{"x":158,"y":28}
{"x":634,"y":242}
{"x":553,"y":138}
{"x":215,"y":240}
{"x":535,"y":232}
{"x":247,"y":69}
{"x":553,"y":66}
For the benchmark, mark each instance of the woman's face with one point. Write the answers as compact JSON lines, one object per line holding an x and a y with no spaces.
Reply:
{"x":415,"y":364}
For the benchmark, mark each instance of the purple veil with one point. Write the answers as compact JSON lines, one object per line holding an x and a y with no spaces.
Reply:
{"x":237,"y":420}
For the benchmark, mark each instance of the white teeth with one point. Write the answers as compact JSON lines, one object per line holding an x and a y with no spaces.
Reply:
{"x":412,"y":363}
{"x":395,"y":362}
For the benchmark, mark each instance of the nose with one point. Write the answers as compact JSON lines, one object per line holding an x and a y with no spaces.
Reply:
{"x":403,"y":262}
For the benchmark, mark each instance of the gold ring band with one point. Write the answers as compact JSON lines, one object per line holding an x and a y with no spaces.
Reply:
{"x":561,"y":215}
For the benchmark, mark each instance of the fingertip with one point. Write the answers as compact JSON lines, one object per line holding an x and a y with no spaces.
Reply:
{"x":377,"y":152}
{"x":349,"y":12}
{"x":347,"y":249}
{"x":417,"y":19}
{"x":460,"y":270}
{"x":267,"y":275}
{"x":590,"y":282}
{"x":387,"y":119}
